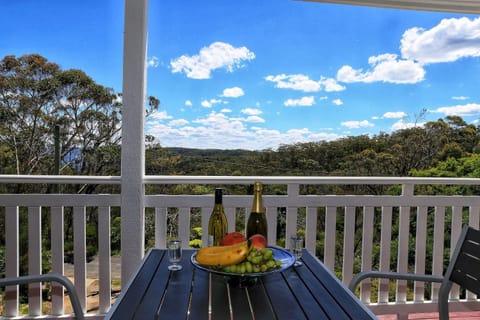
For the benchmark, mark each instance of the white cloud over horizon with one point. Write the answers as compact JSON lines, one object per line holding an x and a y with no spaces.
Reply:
{"x":384,"y":68}
{"x":302,"y":102}
{"x":234,"y":92}
{"x":218,"y":55}
{"x":448,"y":41}
{"x":303,"y":83}
{"x":357,"y":124}
{"x":394,"y":115}
{"x":465,"y":110}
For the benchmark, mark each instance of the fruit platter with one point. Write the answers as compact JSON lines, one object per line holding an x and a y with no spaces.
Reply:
{"x":244,"y":258}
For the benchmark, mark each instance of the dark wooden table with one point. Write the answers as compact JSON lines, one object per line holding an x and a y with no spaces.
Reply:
{"x":309,"y":291}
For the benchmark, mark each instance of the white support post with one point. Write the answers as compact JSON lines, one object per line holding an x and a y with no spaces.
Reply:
{"x":133,"y":140}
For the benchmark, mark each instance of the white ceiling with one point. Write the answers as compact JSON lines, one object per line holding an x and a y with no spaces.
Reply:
{"x":461,"y":6}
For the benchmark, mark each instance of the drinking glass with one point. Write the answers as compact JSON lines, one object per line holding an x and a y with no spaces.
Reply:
{"x":174,"y":254}
{"x":296,"y":246}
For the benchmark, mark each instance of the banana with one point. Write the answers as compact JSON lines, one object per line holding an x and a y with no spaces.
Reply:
{"x":221,"y":256}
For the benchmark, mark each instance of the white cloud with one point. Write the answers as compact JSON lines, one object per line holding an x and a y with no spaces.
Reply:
{"x":357,"y":124}
{"x":465,"y":110}
{"x":153,"y":62}
{"x":448,"y":41}
{"x":385,"y":68}
{"x":178,"y":122}
{"x":210,"y":103}
{"x":337,"y":102}
{"x":226,"y":110}
{"x":219,"y":55}
{"x":188,"y":103}
{"x":303,"y":83}
{"x":400,"y":125}
{"x":460,"y":98}
{"x":217,"y":130}
{"x":251,"y":111}
{"x":394,"y":115}
{"x":234,"y":92}
{"x":160,"y":115}
{"x":302,"y":102}
{"x":255,"y":119}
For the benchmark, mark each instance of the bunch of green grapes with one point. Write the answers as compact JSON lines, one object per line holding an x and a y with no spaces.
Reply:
{"x":257,"y":261}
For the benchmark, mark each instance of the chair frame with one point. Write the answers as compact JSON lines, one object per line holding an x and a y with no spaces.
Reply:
{"x":463,"y":269}
{"x":51,"y":277}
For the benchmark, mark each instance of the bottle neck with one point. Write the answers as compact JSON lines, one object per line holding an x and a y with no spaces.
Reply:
{"x":218,"y":196}
{"x":257,"y":199}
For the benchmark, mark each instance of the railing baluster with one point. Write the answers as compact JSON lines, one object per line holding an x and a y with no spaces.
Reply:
{"x":402,"y":260}
{"x":367,"y":248}
{"x":293,"y":190}
{"x":34,"y":260}
{"x":206,"y":212}
{"x":473,"y":221}
{"x":79,"y":254}
{"x":311,"y":229}
{"x":385,"y":252}
{"x":161,"y":227}
{"x":104,"y":256}
{"x":438,"y":247}
{"x":420,"y":252}
{"x":330,"y":237}
{"x":272,"y":215}
{"x":184,"y":226}
{"x":57,"y":220}
{"x":11,"y":259}
{"x":230,"y":213}
{"x":348,"y":244}
{"x":457,"y":220}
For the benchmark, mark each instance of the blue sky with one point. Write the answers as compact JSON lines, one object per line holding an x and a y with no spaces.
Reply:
{"x":257,"y":74}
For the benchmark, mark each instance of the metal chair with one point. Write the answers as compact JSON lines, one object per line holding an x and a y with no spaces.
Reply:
{"x":77,"y":308}
{"x":463,"y":269}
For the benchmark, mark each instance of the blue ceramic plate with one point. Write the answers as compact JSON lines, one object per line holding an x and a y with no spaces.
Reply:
{"x":281,"y":254}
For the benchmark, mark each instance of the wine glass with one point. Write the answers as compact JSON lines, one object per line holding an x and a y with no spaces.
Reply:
{"x":174,"y":254}
{"x":296,"y":246}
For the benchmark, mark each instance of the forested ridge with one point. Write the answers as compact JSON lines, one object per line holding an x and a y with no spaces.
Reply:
{"x":55,"y":121}
{"x":43,"y":106}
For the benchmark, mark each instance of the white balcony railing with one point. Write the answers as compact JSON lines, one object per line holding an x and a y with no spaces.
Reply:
{"x":331,"y":219}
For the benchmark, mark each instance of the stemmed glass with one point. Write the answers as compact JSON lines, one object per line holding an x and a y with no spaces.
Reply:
{"x":174,"y":254}
{"x":296,"y":246}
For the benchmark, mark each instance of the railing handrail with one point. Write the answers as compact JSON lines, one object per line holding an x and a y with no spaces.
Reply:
{"x":167,"y":179}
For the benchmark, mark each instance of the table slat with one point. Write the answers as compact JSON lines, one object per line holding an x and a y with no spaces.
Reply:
{"x":311,"y":302}
{"x":261,"y":305}
{"x":150,"y":304}
{"x":220,"y":305}
{"x":199,"y":303}
{"x":176,"y":301}
{"x":345,"y":299}
{"x":280,"y":296}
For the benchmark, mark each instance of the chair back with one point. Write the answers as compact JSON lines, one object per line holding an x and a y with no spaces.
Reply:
{"x":464,"y":267}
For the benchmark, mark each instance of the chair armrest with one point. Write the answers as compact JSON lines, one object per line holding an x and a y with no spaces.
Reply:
{"x":392,"y":275}
{"x":51,"y":277}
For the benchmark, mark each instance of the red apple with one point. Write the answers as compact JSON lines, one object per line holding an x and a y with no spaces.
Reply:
{"x":258,"y":241}
{"x":232,"y":238}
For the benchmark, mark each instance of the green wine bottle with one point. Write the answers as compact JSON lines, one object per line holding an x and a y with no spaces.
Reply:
{"x":217,"y":224}
{"x":257,"y":221}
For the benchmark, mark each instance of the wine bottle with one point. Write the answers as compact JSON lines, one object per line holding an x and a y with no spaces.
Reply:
{"x":217,"y":224}
{"x":257,"y":221}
